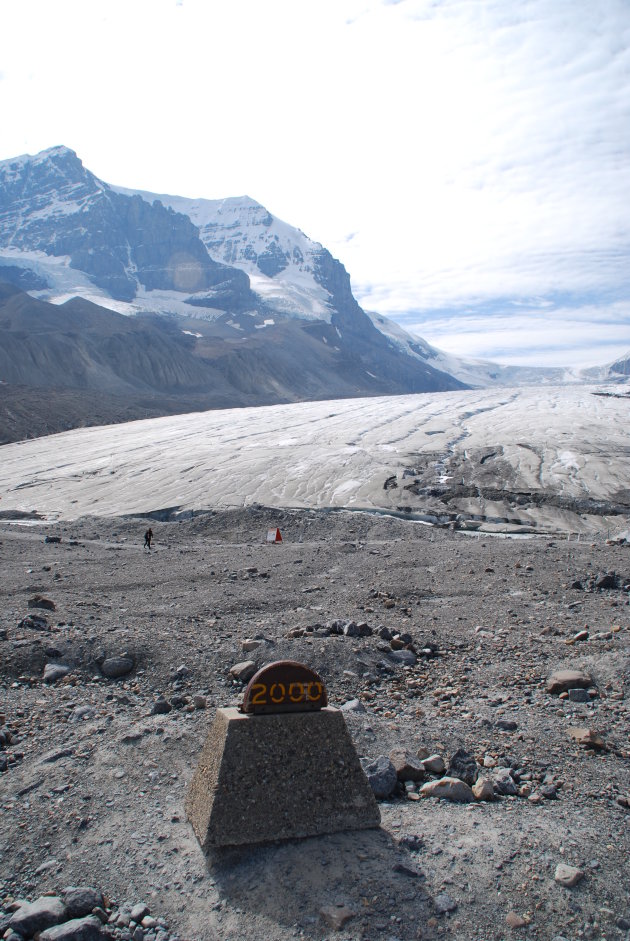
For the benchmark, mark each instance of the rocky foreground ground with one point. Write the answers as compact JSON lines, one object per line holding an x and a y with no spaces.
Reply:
{"x":113,"y":660}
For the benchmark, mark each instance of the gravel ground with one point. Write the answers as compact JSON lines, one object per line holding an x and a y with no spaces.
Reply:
{"x":94,"y":781}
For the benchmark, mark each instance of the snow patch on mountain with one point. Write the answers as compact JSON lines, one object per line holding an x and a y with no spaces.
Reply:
{"x":281,"y":260}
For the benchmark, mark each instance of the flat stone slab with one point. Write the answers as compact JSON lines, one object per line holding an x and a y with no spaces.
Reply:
{"x":279,"y":776}
{"x":563,"y":680}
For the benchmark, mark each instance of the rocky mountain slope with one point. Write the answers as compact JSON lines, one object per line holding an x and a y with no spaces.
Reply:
{"x":145,"y":366}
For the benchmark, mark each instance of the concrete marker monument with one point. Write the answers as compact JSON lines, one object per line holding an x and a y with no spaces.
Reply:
{"x":282,"y":766}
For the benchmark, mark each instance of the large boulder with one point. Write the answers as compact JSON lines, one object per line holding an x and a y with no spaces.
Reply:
{"x":77,"y":929}
{"x":81,"y":900}
{"x":39,"y":915}
{"x":115,"y":667}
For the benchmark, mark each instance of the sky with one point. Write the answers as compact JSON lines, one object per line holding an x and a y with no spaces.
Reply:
{"x":467,"y":160}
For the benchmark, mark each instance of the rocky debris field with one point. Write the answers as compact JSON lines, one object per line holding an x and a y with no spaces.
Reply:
{"x":485,"y":683}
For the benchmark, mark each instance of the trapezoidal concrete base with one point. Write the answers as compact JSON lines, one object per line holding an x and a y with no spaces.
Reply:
{"x":277,"y":777}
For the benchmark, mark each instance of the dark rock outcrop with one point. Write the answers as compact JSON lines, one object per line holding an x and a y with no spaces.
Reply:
{"x":51,"y":203}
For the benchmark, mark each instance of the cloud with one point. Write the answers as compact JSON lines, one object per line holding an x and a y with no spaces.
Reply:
{"x":562,"y":335}
{"x":522,"y":162}
{"x":478,"y":152}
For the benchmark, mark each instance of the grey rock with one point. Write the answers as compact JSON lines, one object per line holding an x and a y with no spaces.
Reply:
{"x":77,"y":929}
{"x":563,"y":680}
{"x":34,"y":622}
{"x":579,"y":695}
{"x":503,"y":782}
{"x":115,"y":667}
{"x":161,"y":706}
{"x":82,"y":712}
{"x":352,"y":629}
{"x":568,"y":876}
{"x":506,"y":725}
{"x":412,"y":841}
{"x":405,"y":657}
{"x":353,"y":705}
{"x":382,"y":777}
{"x":38,"y":602}
{"x":434,"y":764}
{"x":39,"y":915}
{"x":606,"y":580}
{"x":138,"y":911}
{"x":54,"y":672}
{"x":444,"y":903}
{"x":408,"y":767}
{"x":56,"y":754}
{"x":244,"y":670}
{"x":80,"y":900}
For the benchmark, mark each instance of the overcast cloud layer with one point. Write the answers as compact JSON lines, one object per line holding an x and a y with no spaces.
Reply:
{"x":467,"y":161}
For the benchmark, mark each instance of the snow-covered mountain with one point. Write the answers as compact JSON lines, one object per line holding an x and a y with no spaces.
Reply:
{"x":231,"y":274}
{"x":277,"y":321}
{"x":64,"y":232}
{"x":284,"y":266}
{"x":292,"y":272}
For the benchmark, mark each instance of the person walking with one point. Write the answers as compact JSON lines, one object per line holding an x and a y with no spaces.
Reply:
{"x":148,"y":536}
